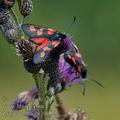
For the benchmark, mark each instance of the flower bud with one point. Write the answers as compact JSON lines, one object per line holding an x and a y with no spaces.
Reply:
{"x":25,"y":7}
{"x":11,"y":35}
{"x":7,"y":3}
{"x":4,"y":15}
{"x":24,"y":98}
{"x":10,"y":28}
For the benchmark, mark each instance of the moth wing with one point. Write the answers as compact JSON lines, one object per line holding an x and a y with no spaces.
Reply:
{"x":43,"y":51}
{"x":74,"y":59}
{"x":31,"y":30}
{"x":38,"y":34}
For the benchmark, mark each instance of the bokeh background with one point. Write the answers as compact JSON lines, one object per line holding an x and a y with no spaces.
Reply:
{"x":97,"y":34}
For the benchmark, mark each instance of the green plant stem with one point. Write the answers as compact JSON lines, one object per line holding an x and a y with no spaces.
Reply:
{"x":17,"y":23}
{"x":41,"y":83}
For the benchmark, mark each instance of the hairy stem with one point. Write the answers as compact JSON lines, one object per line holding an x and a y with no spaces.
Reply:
{"x":41,"y":83}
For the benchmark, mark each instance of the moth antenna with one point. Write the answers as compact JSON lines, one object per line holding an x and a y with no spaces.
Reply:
{"x":74,"y":20}
{"x":95,"y":81}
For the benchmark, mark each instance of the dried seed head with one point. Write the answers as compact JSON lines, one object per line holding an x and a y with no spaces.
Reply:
{"x":9,"y":26}
{"x":4,"y":15}
{"x":11,"y":35}
{"x":25,"y":7}
{"x":25,"y":48}
{"x":7,"y":3}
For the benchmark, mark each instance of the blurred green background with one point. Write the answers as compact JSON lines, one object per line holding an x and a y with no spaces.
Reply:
{"x":96,"y":32}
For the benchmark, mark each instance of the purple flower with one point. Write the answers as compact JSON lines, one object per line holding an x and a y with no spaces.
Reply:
{"x":68,"y":73}
{"x":24,"y":98}
{"x":32,"y":115}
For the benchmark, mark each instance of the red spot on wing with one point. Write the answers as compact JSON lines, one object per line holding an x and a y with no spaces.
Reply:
{"x":42,"y":54}
{"x":50,"y":32}
{"x":55,"y":43}
{"x":39,"y":33}
{"x":41,"y":29}
{"x":32,"y":29}
{"x":73,"y":60}
{"x":46,"y":48}
{"x":40,"y":40}
{"x":42,"y":45}
{"x":78,"y":55}
{"x":69,"y":56}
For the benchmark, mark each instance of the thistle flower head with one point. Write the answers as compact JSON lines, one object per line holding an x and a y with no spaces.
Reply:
{"x":4,"y":15}
{"x":9,"y":25}
{"x":11,"y":35}
{"x":68,"y":73}
{"x":72,"y":54}
{"x":24,"y":98}
{"x":25,"y":7}
{"x":25,"y":49}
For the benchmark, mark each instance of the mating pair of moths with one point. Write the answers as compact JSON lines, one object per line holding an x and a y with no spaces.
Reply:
{"x":52,"y":41}
{"x":47,"y":39}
